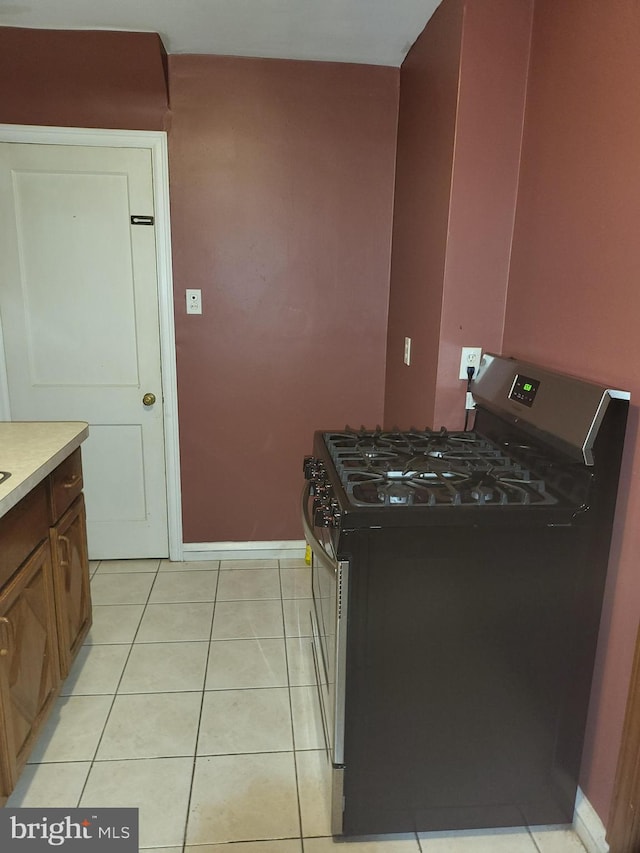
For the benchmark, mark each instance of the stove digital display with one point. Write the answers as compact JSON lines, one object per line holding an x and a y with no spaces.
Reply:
{"x":524,"y":390}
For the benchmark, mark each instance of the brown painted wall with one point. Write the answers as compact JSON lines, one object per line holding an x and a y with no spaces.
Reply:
{"x":493,"y":75}
{"x":426,"y":136}
{"x":73,"y":78}
{"x":461,"y":112}
{"x":574,"y":298}
{"x":281,"y":194}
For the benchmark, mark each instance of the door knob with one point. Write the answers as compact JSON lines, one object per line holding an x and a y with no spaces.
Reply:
{"x":149,"y":399}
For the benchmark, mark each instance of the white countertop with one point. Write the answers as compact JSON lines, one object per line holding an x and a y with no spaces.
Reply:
{"x":31,"y":450}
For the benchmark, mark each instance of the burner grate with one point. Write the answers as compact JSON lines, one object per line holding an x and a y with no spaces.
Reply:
{"x":431,"y":469}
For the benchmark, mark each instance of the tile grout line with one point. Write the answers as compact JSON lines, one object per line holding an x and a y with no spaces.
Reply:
{"x":115,"y":693}
{"x":197,"y":739}
{"x":293,"y":734}
{"x":295,"y":751}
{"x":533,"y":839}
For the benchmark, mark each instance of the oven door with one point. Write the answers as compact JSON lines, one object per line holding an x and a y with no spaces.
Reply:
{"x":329,"y":630}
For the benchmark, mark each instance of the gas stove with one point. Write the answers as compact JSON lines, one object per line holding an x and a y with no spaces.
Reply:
{"x":431,"y":468}
{"x":457,"y":582}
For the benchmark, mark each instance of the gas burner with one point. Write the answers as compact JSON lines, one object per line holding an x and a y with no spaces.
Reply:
{"x":377,"y":454}
{"x":431,"y":468}
{"x":395,"y":493}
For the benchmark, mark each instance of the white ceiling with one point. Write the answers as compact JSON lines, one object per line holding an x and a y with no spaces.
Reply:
{"x":379,"y":32}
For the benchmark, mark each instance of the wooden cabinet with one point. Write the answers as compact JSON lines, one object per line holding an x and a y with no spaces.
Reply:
{"x":29,"y":667}
{"x":45,"y":608}
{"x":71,"y":582}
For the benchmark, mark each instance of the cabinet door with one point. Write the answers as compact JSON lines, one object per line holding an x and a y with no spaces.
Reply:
{"x":29,"y":668}
{"x":71,"y":582}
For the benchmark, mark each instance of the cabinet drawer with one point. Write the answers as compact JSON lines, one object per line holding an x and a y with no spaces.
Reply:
{"x":65,"y":484}
{"x":22,"y":529}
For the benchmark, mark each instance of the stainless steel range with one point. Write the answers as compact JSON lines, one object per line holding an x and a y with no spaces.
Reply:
{"x":457,"y":584}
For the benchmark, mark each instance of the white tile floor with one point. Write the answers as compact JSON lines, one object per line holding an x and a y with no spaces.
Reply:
{"x":193,"y":700}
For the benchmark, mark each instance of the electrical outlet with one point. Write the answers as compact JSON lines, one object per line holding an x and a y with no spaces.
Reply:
{"x":407,"y":350}
{"x":470,"y":357}
{"x":194,"y":301}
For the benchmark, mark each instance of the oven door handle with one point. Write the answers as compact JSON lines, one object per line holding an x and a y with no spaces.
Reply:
{"x":316,"y":546}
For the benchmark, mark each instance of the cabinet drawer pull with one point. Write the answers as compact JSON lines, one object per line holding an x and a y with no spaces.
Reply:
{"x":64,"y":541}
{"x":72,"y":481}
{"x":8,"y":634}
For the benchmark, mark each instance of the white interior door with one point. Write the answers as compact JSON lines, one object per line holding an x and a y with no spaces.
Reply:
{"x":79,"y":310}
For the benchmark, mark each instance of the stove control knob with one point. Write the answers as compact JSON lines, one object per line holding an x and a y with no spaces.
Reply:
{"x":311,"y":467}
{"x":323,"y":489}
{"x":334,"y":513}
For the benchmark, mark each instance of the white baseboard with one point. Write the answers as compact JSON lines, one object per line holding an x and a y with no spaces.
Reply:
{"x":588,"y":826}
{"x":276,"y":550}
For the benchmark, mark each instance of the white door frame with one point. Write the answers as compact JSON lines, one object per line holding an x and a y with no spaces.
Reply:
{"x":156,"y":142}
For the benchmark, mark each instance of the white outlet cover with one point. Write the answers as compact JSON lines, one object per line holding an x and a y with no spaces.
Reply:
{"x":194,"y":301}
{"x":469,"y":357}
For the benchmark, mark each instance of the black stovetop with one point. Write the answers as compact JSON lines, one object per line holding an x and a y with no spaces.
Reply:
{"x":431,"y":468}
